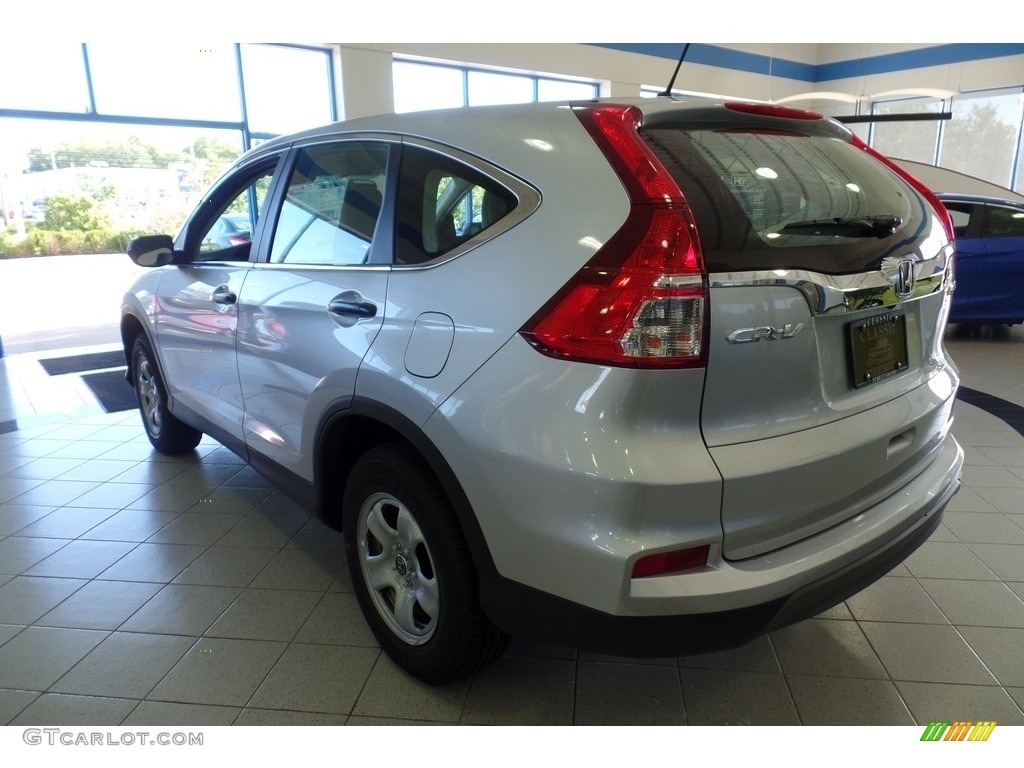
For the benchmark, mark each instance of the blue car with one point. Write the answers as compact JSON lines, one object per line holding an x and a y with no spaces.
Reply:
{"x":989,"y":235}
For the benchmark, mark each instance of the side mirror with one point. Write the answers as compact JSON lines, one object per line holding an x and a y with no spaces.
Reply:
{"x":151,"y":250}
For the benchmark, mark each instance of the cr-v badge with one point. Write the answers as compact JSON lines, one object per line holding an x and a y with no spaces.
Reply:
{"x":766,"y":332}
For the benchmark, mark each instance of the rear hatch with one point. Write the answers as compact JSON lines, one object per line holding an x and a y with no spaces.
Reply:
{"x":827,"y":388}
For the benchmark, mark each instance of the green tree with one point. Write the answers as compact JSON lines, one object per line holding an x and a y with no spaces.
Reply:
{"x":130,"y":153}
{"x":68,"y":213}
{"x":977,"y":142}
{"x":907,"y":140}
{"x":214,"y":149}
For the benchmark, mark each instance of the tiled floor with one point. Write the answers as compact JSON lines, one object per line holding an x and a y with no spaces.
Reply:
{"x":138,"y":589}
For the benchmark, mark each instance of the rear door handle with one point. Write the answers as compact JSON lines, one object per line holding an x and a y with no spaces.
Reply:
{"x":224,"y":295}
{"x":350,"y":308}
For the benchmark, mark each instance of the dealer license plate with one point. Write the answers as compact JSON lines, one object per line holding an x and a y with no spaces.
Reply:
{"x":878,"y":348}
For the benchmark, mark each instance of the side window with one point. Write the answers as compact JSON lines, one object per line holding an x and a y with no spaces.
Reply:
{"x":332,"y":205}
{"x":1004,"y":222}
{"x":228,"y":236}
{"x":442,"y":203}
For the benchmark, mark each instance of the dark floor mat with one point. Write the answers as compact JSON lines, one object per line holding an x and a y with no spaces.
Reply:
{"x":55,"y":366}
{"x":112,"y":391}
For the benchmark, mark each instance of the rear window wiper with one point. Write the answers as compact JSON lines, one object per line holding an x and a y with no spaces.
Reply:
{"x":865,"y":226}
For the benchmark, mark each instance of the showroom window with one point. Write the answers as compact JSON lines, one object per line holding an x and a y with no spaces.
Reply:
{"x":224,"y":86}
{"x":496,"y":88}
{"x":421,"y":85}
{"x":652,"y":91}
{"x":57,"y":82}
{"x":914,"y":140}
{"x":141,"y":133}
{"x":305,"y":102}
{"x":984,"y":136}
{"x":177,"y":81}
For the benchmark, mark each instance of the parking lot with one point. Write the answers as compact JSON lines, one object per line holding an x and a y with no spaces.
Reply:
{"x":61,"y":302}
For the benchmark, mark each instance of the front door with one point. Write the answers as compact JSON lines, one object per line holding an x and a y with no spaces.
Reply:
{"x":197,"y":313}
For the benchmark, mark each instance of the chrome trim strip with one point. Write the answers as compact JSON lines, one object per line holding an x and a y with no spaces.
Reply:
{"x":296,"y":267}
{"x":835,"y":294}
{"x":679,"y":281}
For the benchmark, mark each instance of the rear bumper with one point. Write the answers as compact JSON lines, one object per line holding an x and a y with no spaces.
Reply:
{"x":547,"y":618}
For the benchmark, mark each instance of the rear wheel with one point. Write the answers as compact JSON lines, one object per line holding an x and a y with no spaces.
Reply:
{"x":411,"y":568}
{"x":166,"y":432}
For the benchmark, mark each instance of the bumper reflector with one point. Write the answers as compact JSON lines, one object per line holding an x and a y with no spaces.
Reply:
{"x":663,"y":563}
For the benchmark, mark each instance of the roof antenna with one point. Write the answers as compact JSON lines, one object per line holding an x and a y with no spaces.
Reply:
{"x":668,"y":88}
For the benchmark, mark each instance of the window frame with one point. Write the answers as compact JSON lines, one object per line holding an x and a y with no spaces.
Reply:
{"x":223,"y":192}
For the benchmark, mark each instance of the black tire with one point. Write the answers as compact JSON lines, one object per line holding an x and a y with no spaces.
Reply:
{"x":165,"y":431}
{"x":402,"y":535}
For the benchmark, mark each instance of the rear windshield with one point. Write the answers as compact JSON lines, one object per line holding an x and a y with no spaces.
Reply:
{"x":768,"y":199}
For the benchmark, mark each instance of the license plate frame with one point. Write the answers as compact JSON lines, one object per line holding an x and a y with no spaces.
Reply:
{"x":878,"y":348}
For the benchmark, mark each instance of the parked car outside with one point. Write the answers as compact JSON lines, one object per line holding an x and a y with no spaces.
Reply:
{"x":229,"y":230}
{"x":989,"y":235}
{"x":644,"y":377}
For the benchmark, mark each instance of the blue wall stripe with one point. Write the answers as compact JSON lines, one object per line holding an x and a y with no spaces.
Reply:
{"x":933,"y":56}
{"x":719,"y":56}
{"x":759,"y":64}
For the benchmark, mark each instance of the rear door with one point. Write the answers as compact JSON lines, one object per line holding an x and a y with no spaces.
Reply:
{"x":827,"y":292}
{"x":313,"y":304}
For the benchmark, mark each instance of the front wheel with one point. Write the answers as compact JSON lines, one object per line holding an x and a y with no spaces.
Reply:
{"x":411,"y":568}
{"x":165,"y":431}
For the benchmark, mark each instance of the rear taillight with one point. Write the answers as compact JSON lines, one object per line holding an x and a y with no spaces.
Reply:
{"x":940,"y":209}
{"x":641,"y":301}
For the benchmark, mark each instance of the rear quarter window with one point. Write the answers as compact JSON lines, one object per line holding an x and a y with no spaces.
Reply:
{"x":443,"y":203}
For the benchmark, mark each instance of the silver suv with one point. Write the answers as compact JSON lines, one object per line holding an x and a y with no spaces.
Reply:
{"x":648,"y":378}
